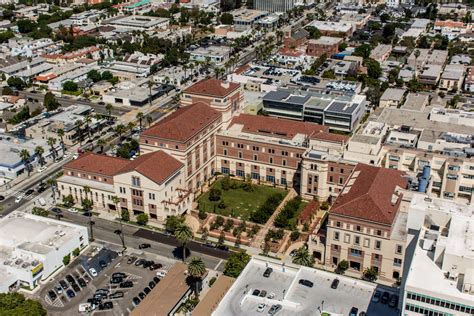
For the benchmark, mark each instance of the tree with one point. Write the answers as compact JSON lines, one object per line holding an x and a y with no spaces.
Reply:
{"x":39,"y":151}
{"x":70,"y":86}
{"x":6,"y":90}
{"x":50,"y":102}
{"x":16,"y":83}
{"x":142,"y":219}
{"x":25,"y":158}
{"x":225,"y":183}
{"x":109,"y":107}
{"x":196,"y":269}
{"x":125,"y":215}
{"x":329,"y":74}
{"x":60,"y":133}
{"x":314,"y":32}
{"x":107,"y":75}
{"x":39,"y":211}
{"x":172,"y":222}
{"x":363,"y":51}
{"x":202,"y":214}
{"x":227,"y":18}
{"x":389,"y":30}
{"x":294,"y":235}
{"x":140,"y":117}
{"x":26,"y":26}
{"x":17,"y":304}
{"x":302,"y":257}
{"x":221,"y":239}
{"x":51,"y":143}
{"x":236,"y":264}
{"x":370,"y":274}
{"x":373,"y":68}
{"x":87,"y":205}
{"x":76,"y":252}
{"x":342,"y":266}
{"x":66,"y":260}
{"x":94,"y":75}
{"x":68,"y":200}
{"x":120,"y":129}
{"x":214,"y":194}
{"x":183,"y":234}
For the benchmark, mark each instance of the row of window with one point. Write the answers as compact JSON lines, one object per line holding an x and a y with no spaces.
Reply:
{"x":257,"y":148}
{"x":424,"y":311}
{"x":253,"y":175}
{"x":71,"y":173}
{"x":358,"y":228}
{"x":441,"y":303}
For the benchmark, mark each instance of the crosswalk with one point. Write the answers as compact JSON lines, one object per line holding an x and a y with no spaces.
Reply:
{"x":17,"y":194}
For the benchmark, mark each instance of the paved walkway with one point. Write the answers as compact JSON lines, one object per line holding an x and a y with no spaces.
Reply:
{"x":260,"y":237}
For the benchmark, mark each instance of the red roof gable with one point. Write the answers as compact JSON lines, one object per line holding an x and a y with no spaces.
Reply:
{"x":184,"y":123}
{"x":371,"y":196}
{"x":99,"y":164}
{"x":213,"y":87}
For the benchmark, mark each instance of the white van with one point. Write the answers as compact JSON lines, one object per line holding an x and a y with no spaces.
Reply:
{"x":85,"y":308}
{"x":42,"y":202}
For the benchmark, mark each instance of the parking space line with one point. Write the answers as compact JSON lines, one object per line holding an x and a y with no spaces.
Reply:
{"x":218,"y":264}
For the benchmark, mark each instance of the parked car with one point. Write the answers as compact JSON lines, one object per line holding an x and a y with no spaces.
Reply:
{"x":275,"y":309}
{"x":72,"y":210}
{"x":263,"y":293}
{"x":136,"y":301}
{"x":271,"y":295}
{"x":126,"y":284}
{"x":334,"y":283}
{"x":41,"y":169}
{"x":75,"y":287}
{"x":115,"y":295}
{"x":151,"y":284}
{"x":305,"y":282}
{"x":161,"y":273}
{"x":93,"y":272}
{"x":261,"y":307}
{"x":267,"y":272}
{"x":116,"y":280}
{"x":385,"y":297}
{"x":58,"y":289}
{"x":256,"y":292}
{"x":106,"y":306}
{"x":140,"y":262}
{"x":147,"y":290}
{"x":70,"y":293}
{"x":131,"y":260}
{"x":141,"y":295}
{"x":155,"y":266}
{"x":118,"y":275}
{"x":393,"y":301}
{"x":353,"y":311}
{"x":52,"y":295}
{"x":19,"y":198}
{"x":376,"y":297}
{"x":148,"y":263}
{"x":63,"y":284}
{"x":82,"y":282}
{"x":144,"y":246}
{"x":102,"y":263}
{"x":156,"y":279}
{"x":70,"y":279}
{"x":56,"y":210}
{"x":29,"y":192}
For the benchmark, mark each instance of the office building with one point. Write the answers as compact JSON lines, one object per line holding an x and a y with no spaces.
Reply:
{"x":274,"y":5}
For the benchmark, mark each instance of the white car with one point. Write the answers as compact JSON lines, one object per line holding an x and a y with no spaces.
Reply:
{"x":41,"y":169}
{"x":67,"y":154}
{"x":271,"y":295}
{"x":261,"y":307}
{"x":72,"y":210}
{"x":75,"y":156}
{"x":161,"y":273}
{"x":18,"y":198}
{"x":93,"y":272}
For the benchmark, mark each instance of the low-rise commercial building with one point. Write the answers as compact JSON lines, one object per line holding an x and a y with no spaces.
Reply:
{"x":138,"y":22}
{"x":328,"y":28}
{"x":392,"y":97}
{"x":215,"y":54}
{"x":245,"y":19}
{"x":33,"y":248}
{"x":452,"y":77}
{"x":381,"y":52}
{"x":323,"y":45}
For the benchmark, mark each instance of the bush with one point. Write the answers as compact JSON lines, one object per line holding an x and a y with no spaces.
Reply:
{"x":66,"y":260}
{"x":264,"y":212}
{"x":370,"y":274}
{"x":288,"y":212}
{"x":236,"y":263}
{"x":40,"y":211}
{"x":68,"y":200}
{"x":142,"y":219}
{"x":221,"y":205}
{"x":212,"y":281}
{"x":125,"y":215}
{"x":70,"y":86}
{"x":228,"y":225}
{"x":294,"y":235}
{"x":324,"y":206}
{"x":342,"y":267}
{"x":76,"y":252}
{"x":225,"y":183}
{"x":214,"y":194}
{"x":202,"y":215}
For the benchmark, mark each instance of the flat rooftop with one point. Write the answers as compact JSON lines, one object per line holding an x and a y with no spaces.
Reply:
{"x":136,"y":21}
{"x":295,"y":298}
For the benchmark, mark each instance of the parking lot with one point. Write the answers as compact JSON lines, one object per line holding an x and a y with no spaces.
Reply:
{"x":104,"y":282}
{"x":282,"y":287}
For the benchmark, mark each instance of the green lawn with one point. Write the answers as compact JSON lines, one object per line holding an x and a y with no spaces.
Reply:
{"x":238,"y":201}
{"x":293,"y":221}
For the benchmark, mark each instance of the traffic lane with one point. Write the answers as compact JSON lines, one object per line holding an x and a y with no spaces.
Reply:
{"x":192,"y":245}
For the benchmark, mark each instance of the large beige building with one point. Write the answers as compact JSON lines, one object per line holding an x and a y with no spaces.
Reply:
{"x":153,"y":184}
{"x":366,"y":226}
{"x":188,"y":135}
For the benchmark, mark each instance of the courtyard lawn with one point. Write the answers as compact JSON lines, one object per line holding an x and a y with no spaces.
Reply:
{"x":238,"y":202}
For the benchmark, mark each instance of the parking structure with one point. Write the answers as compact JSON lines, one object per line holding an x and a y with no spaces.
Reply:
{"x":118,"y":281}
{"x":287,"y":286}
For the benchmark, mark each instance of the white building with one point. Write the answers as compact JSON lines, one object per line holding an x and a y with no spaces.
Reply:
{"x":33,"y":247}
{"x":440,"y":278}
{"x":452,"y":116}
{"x":215,"y":54}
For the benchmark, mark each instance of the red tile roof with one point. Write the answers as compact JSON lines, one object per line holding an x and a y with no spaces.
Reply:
{"x":157,"y":166}
{"x":184,"y":123}
{"x":329,"y":137}
{"x":213,"y":87}
{"x":279,"y":127}
{"x":99,"y":164}
{"x":371,"y":195}
{"x":308,"y":211}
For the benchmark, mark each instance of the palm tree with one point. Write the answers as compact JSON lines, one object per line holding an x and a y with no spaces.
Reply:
{"x":87,"y":190}
{"x":51,"y":143}
{"x":150,"y":85}
{"x":303,"y":257}
{"x":52,"y":183}
{"x":120,"y":129}
{"x":140,"y":117}
{"x":39,"y":151}
{"x":87,"y":121}
{"x":116,"y":201}
{"x":78,"y":125}
{"x":109,"y":107}
{"x":25,"y":157}
{"x":130,"y":126}
{"x":183,"y":234}
{"x":149,"y":120}
{"x":196,"y":269}
{"x":60,"y":133}
{"x":417,"y":54}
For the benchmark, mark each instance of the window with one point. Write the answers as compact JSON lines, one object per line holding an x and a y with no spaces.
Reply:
{"x":338,"y":224}
{"x":399,"y":249}
{"x":357,"y":240}
{"x":330,"y":179}
{"x":284,"y":153}
{"x":122,"y":190}
{"x":341,"y":180}
{"x":378,"y":244}
{"x":355,"y":252}
{"x":255,"y":157}
{"x":271,"y":151}
{"x":224,"y":143}
{"x":135,"y":181}
{"x":240,"y":154}
{"x":397,"y":262}
{"x":270,"y":160}
{"x":342,"y":170}
{"x":255,"y":175}
{"x":379,"y":232}
{"x":255,"y":148}
{"x":225,"y":152}
{"x":240,"y":145}
{"x":240,"y":173}
{"x":358,"y":228}
{"x":283,"y":162}
{"x":336,"y":235}
{"x":151,"y":196}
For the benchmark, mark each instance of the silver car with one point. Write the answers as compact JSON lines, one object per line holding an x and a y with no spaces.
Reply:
{"x":275,"y":309}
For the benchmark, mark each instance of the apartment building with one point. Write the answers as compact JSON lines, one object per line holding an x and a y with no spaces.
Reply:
{"x":452,"y":78}
{"x":366,"y":224}
{"x":153,"y":184}
{"x":333,"y":28}
{"x":381,"y":52}
{"x":225,"y":97}
{"x":188,"y":135}
{"x":427,"y":57}
{"x":440,"y":275}
{"x":268,"y":149}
